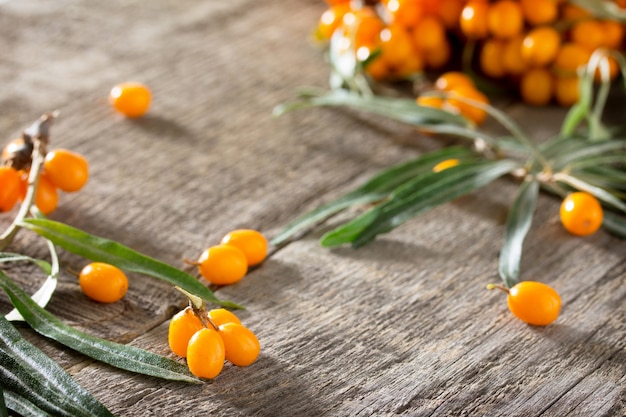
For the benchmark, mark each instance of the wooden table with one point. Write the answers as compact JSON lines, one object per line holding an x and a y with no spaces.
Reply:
{"x":403,"y":326}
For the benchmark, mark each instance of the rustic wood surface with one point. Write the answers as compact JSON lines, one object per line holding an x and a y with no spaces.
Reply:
{"x":403,"y":326}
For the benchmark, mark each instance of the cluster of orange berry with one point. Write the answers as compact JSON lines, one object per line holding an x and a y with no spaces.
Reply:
{"x":228,"y":262}
{"x":208,"y":338}
{"x":538,"y":44}
{"x":63,"y":170}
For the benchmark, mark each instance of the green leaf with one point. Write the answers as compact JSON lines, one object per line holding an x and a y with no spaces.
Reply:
{"x":23,"y":406}
{"x":121,"y":356}
{"x":599,"y":193}
{"x":16,"y":257}
{"x":28,"y":371}
{"x":3,"y":406}
{"x":44,"y":293}
{"x":105,"y":250}
{"x":614,"y":224}
{"x":517,"y":225}
{"x":401,"y":109}
{"x":588,"y":151}
{"x":417,"y":196}
{"x":603,"y":9}
{"x":375,"y":189}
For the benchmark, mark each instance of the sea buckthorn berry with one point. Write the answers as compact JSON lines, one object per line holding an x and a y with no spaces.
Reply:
{"x":221,"y":316}
{"x":537,"y":86}
{"x":405,"y":12}
{"x":540,"y":46}
{"x":448,"y":163}
{"x":251,"y":242}
{"x":331,"y":19}
{"x":467,"y":109}
{"x":512,"y":60}
{"x":570,"y":57}
{"x":363,"y":26}
{"x":67,"y":170}
{"x":566,"y":91}
{"x":539,"y":12}
{"x":473,"y":21}
{"x":438,"y":57}
{"x":131,"y":99}
{"x":430,"y":101}
{"x":396,"y":45}
{"x":534,"y":303}
{"x":205,"y":353}
{"x":223,"y":264}
{"x":103,"y":282}
{"x":581,"y":213}
{"x":240,"y":344}
{"x":588,"y":33}
{"x":429,"y":34}
{"x":505,"y":19}
{"x":613,"y":33}
{"x":9,"y":188}
{"x":491,"y":58}
{"x":449,"y":12}
{"x":47,"y":196}
{"x":453,"y":79}
{"x":182,"y":327}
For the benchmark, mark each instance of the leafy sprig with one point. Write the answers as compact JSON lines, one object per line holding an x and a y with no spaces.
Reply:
{"x":586,"y":155}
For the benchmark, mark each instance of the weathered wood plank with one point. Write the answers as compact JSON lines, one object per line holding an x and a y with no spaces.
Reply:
{"x":403,"y":326}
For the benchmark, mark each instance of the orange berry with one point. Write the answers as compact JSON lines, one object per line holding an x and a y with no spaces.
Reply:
{"x":537,"y":86}
{"x":570,"y":57}
{"x":566,"y":90}
{"x":331,"y":19}
{"x":469,"y":110}
{"x":613,"y":33}
{"x":540,"y":46}
{"x":223,"y":264}
{"x":404,"y":12}
{"x":363,"y":26}
{"x":505,"y":19}
{"x":221,"y":316}
{"x":449,"y":12}
{"x":9,"y":188}
{"x":443,"y":165}
{"x":534,"y":303}
{"x":491,"y":58}
{"x":539,"y":12}
{"x":453,"y":79}
{"x":103,"y":282}
{"x":47,"y":196}
{"x":251,"y":242}
{"x":396,"y":45}
{"x":131,"y":99}
{"x":570,"y":11}
{"x":240,"y":344}
{"x":512,"y":60}
{"x":67,"y":170}
{"x":430,"y":101}
{"x":205,"y":353}
{"x":429,"y":34}
{"x":473,"y":21}
{"x":581,"y":213}
{"x":588,"y":33}
{"x":438,"y":57}
{"x":182,"y":327}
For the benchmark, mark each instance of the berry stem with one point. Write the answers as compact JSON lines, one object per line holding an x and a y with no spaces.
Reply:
{"x":497,"y":286}
{"x":38,"y":133}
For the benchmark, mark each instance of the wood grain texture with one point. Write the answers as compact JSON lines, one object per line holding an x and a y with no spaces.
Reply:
{"x":403,"y":326}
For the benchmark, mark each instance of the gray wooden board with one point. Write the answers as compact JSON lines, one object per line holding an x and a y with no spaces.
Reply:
{"x":403,"y":326}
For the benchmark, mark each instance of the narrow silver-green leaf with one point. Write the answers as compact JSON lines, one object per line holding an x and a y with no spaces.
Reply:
{"x":375,"y":189}
{"x":6,"y":257}
{"x":614,"y":224}
{"x":22,"y":406}
{"x":27,"y":371}
{"x":517,"y":225}
{"x":121,"y":356}
{"x":105,"y":250}
{"x":417,"y":196}
{"x":3,"y":407}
